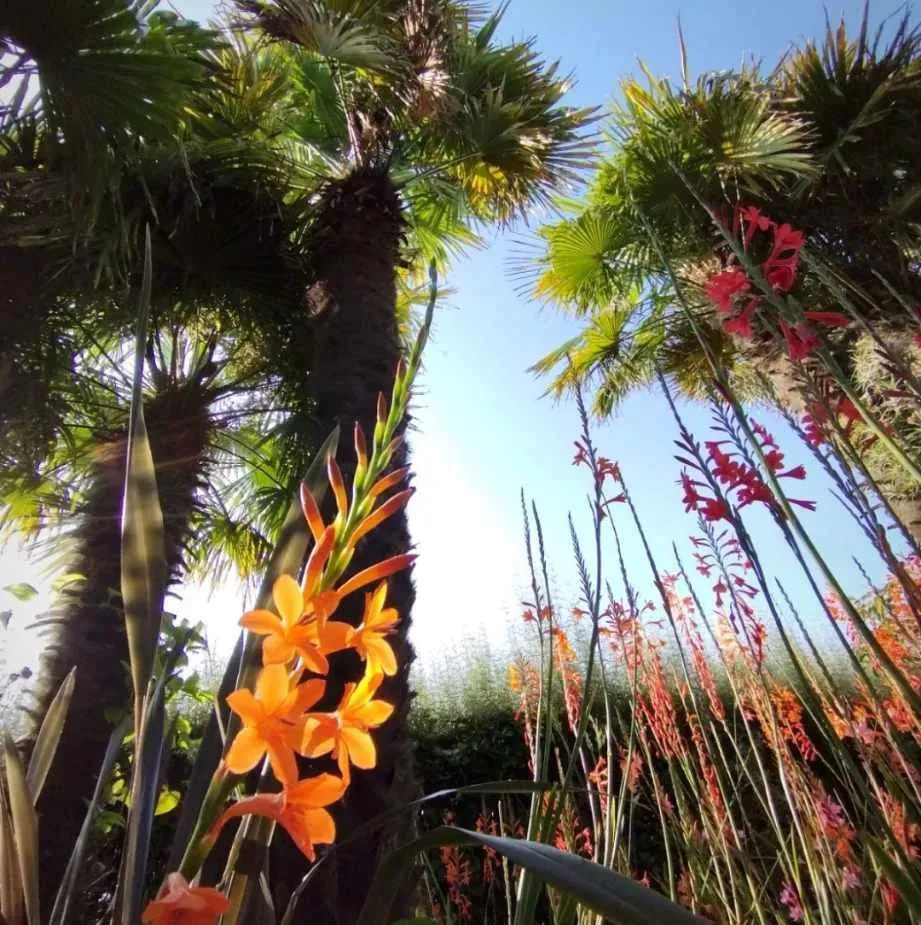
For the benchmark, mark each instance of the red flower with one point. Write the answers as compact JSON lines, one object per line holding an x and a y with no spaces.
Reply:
{"x":829,"y":319}
{"x":741,"y":323}
{"x":722,"y":288}
{"x":801,"y":341}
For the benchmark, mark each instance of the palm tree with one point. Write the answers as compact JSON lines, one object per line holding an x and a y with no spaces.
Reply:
{"x":823,"y":143}
{"x":431,"y":120}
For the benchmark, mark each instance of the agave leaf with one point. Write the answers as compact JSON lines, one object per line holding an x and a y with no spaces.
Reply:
{"x":46,"y":744}
{"x":25,"y":829}
{"x":63,"y":903}
{"x":617,"y":899}
{"x":287,"y":558}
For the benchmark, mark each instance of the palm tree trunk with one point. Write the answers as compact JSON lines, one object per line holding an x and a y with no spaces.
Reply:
{"x":354,"y":255}
{"x":87,"y":625}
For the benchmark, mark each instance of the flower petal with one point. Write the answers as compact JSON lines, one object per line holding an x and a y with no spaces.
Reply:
{"x":289,"y":600}
{"x":319,"y":736}
{"x":321,"y":826}
{"x":302,"y":698}
{"x":261,"y":622}
{"x":272,"y":687}
{"x":284,"y":765}
{"x":380,"y":655}
{"x":360,"y":747}
{"x":245,"y":751}
{"x":276,"y":650}
{"x":316,"y":791}
{"x":336,"y":636}
{"x":245,"y":705}
{"x":373,"y":713}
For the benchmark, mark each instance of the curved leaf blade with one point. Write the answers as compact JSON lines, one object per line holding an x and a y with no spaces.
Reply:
{"x":25,"y":829}
{"x":46,"y":744}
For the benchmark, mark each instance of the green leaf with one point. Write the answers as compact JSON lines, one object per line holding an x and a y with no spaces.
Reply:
{"x":22,"y":591}
{"x":25,"y":829}
{"x":167,"y":802}
{"x":143,"y":567}
{"x":617,"y":899}
{"x":46,"y":744}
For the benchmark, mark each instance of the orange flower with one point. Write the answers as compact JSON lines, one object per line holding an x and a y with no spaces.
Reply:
{"x":298,"y":809}
{"x":179,"y":903}
{"x":368,"y":639}
{"x":289,"y":635}
{"x":273,"y":721}
{"x":345,"y":733}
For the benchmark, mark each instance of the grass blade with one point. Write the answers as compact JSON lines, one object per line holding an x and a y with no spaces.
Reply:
{"x":25,"y":829}
{"x":46,"y":744}
{"x":619,"y":900}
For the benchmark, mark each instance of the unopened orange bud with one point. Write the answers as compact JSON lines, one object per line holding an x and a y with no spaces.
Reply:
{"x":311,"y":513}
{"x":387,"y":509}
{"x":337,"y":484}
{"x":376,"y":573}
{"x":381,"y":407}
{"x":361,"y":446}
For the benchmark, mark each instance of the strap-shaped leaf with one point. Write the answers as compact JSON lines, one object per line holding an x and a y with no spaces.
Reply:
{"x":10,"y":880}
{"x":25,"y":829}
{"x":616,"y":898}
{"x":67,"y":890}
{"x":143,"y":567}
{"x":46,"y":744}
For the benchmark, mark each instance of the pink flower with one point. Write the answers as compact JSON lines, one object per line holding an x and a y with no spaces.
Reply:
{"x":790,"y":899}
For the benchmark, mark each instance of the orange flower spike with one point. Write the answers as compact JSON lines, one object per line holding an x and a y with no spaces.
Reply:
{"x":369,"y":640}
{"x":346,"y":733}
{"x":337,"y":484}
{"x":286,"y":636}
{"x":312,"y":513}
{"x":388,"y":481}
{"x":299,"y":809}
{"x":315,"y":563}
{"x":376,"y":518}
{"x":180,"y":903}
{"x":273,"y":721}
{"x":382,"y":570}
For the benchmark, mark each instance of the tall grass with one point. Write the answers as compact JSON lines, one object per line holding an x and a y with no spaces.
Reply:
{"x":723,"y":752}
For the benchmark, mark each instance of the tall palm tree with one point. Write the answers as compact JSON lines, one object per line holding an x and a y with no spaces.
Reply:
{"x":824,"y":142}
{"x":431,"y":120}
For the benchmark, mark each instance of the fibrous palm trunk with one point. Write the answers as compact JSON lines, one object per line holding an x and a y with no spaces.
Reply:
{"x":87,"y":626}
{"x":352,"y":303}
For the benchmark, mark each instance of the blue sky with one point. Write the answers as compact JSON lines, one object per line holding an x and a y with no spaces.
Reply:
{"x":483,"y":430}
